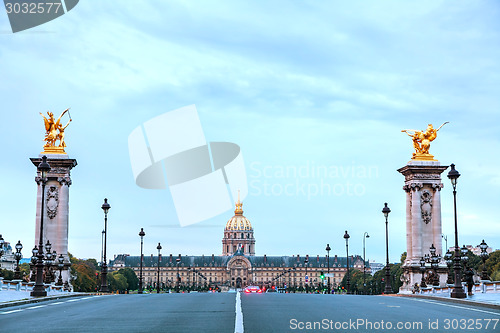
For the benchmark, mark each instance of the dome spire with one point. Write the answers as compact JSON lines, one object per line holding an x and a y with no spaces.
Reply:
{"x":239,"y":206}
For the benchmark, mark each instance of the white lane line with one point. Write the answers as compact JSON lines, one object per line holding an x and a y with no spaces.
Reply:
{"x":56,"y":303}
{"x":36,"y":307}
{"x":238,"y":323}
{"x":459,"y":307}
{"x":11,"y":311}
{"x":72,"y":300}
{"x":393,"y":306}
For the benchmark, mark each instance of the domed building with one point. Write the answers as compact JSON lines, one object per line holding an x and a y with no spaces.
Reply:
{"x":238,"y":233}
{"x":238,"y":266}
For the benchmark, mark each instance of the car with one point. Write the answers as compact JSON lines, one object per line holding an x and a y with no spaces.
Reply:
{"x":252,"y":289}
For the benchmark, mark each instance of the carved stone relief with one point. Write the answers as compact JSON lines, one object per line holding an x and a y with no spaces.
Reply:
{"x":52,"y":201}
{"x":426,"y":206}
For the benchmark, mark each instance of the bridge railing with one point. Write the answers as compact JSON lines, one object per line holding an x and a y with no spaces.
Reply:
{"x":18,"y":285}
{"x":482,"y":287}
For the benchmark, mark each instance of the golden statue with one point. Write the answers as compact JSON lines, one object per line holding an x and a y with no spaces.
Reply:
{"x":422,"y":142}
{"x":54,"y":131}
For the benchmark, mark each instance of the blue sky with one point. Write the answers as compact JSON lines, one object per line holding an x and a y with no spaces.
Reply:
{"x":297,"y":85}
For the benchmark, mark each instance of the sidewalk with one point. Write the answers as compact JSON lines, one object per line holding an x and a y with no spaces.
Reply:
{"x":12,"y":297}
{"x":490,"y":300}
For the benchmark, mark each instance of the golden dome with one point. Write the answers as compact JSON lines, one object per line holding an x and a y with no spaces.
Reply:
{"x":238,"y":222}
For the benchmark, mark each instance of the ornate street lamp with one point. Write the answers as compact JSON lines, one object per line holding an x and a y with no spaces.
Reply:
{"x":484,"y":255}
{"x":388,"y":289}
{"x":2,"y":242}
{"x":434,"y":261}
{"x":346,"y":237}
{"x":104,"y":269}
{"x":448,"y":257}
{"x":458,"y":291}
{"x":306,"y":261}
{"x":158,"y":280}
{"x":422,"y":270}
{"x":60,"y":265}
{"x":142,"y":234}
{"x":39,"y":288}
{"x":328,"y":258}
{"x":178,"y":261}
{"x":365,"y":236}
{"x":18,"y":256}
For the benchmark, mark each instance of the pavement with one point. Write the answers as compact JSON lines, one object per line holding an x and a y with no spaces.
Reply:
{"x":240,"y":312}
{"x":12,"y":297}
{"x":490,"y":300}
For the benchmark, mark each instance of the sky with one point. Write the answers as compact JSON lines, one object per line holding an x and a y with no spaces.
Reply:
{"x":300,"y":86}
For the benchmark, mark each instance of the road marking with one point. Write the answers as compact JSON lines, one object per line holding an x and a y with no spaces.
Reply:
{"x":459,"y":307}
{"x":56,"y":303}
{"x":72,"y":300}
{"x":238,"y":323}
{"x":11,"y":311}
{"x":36,"y":307}
{"x":393,"y":306}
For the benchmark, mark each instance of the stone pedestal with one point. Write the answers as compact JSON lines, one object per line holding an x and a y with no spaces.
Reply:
{"x":56,"y":207}
{"x":423,"y":218}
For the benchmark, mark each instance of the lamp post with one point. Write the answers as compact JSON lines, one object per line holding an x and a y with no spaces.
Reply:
{"x":434,"y":259}
{"x":388,"y":289}
{"x":1,"y":246}
{"x":484,"y":255}
{"x":328,"y":269}
{"x":39,"y":289}
{"x":306,"y":261}
{"x":445,"y":237}
{"x":142,"y":234}
{"x":448,"y":258}
{"x":178,"y":261}
{"x":104,"y":269}
{"x":158,"y":280}
{"x":458,"y":291}
{"x":422,"y":270}
{"x":60,"y":265}
{"x":346,"y":237}
{"x":18,"y":256}
{"x":365,"y":236}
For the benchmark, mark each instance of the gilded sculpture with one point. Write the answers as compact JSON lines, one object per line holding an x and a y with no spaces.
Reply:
{"x":422,"y":141}
{"x":54,"y":132}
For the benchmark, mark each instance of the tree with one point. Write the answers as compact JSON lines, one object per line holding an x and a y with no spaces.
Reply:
{"x":493,"y":263}
{"x":6,"y":274}
{"x":84,"y":272}
{"x":132,"y":279}
{"x":117,"y":282}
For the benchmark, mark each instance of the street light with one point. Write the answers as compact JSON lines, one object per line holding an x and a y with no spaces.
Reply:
{"x":39,"y":289}
{"x":306,"y":261}
{"x":104,"y":269}
{"x":142,"y":234}
{"x":18,"y":256}
{"x":158,"y":280}
{"x":422,"y":270}
{"x":458,"y":291}
{"x":60,"y":265}
{"x":484,"y":255}
{"x":346,"y":237}
{"x":178,"y":261}
{"x":448,"y":258}
{"x":388,"y":289}
{"x":328,"y":258}
{"x":434,"y":260}
{"x":365,"y":236}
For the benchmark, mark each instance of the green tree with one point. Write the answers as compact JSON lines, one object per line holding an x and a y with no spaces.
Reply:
{"x":6,"y":274}
{"x":493,"y":263}
{"x":117,"y":282}
{"x":132,"y":279}
{"x":85,"y":273}
{"x":25,"y":270}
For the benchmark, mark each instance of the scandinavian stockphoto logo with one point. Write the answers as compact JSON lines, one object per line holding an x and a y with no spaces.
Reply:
{"x":26,"y":14}
{"x":203,"y":178}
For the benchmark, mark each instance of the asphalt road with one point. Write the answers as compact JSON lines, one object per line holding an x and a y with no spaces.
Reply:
{"x":203,"y":312}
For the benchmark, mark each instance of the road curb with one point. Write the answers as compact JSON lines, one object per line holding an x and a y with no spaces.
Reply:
{"x":452,"y":300}
{"x":42,"y":299}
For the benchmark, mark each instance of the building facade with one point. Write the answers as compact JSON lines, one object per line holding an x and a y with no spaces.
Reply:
{"x":238,"y":266}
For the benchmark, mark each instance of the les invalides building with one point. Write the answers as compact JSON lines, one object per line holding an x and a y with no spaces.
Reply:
{"x":238,"y":266}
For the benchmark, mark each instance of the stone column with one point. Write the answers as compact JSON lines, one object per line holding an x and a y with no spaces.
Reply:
{"x":56,"y":207}
{"x":423,"y":217}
